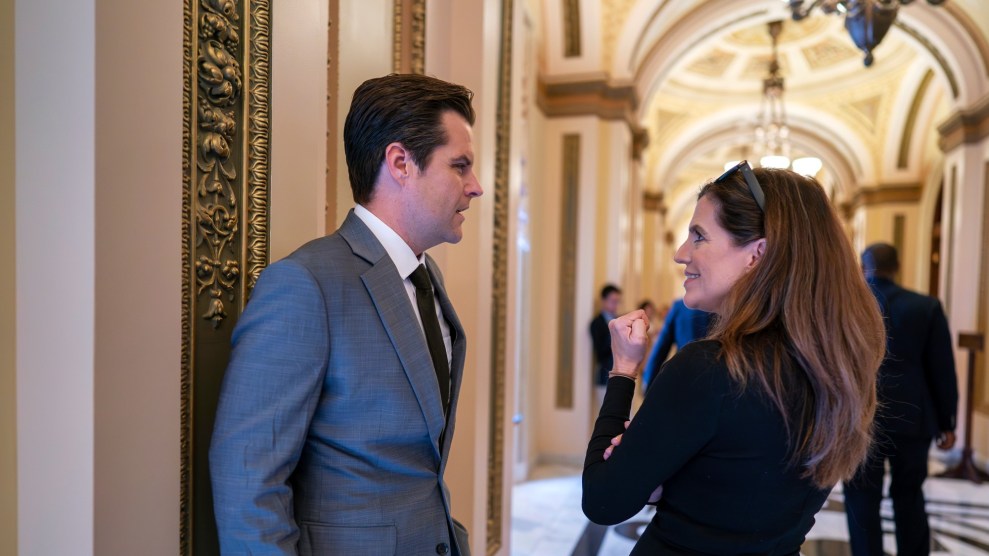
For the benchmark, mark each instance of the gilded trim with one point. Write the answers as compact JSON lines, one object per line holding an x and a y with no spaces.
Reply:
{"x":965,"y":126}
{"x":571,"y":28}
{"x":185,"y":375}
{"x":396,"y":41}
{"x":499,"y":287}
{"x":929,"y":46}
{"x":902,"y":160}
{"x":225,"y":171}
{"x":570,"y":193}
{"x":258,"y":126}
{"x":972,"y":30}
{"x":332,"y":100}
{"x":903,"y":193}
{"x":981,"y":393}
{"x":653,"y":202}
{"x":409,"y":37}
{"x":593,"y":98}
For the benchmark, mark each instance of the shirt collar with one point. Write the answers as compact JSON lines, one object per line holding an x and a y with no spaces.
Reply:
{"x":398,"y":251}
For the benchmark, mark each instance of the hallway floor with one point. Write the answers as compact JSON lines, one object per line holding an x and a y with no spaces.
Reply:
{"x":547,"y":520}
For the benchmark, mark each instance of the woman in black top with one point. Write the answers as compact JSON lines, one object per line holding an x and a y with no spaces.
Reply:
{"x":747,"y":431}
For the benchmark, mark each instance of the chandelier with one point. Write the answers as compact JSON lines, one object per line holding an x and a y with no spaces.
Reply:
{"x":771,"y":132}
{"x":771,"y":142}
{"x":867,"y":21}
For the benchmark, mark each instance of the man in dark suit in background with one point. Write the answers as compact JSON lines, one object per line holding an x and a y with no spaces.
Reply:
{"x":611,"y":299}
{"x":918,"y":400}
{"x":337,"y":409}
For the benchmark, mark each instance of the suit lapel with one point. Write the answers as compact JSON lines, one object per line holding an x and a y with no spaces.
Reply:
{"x":392,"y":303}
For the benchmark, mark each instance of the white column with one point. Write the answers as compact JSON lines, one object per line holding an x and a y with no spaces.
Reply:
{"x":462,"y":46}
{"x":964,"y":218}
{"x":56,"y":221}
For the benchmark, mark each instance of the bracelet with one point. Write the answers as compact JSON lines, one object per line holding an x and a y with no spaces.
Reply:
{"x":623,"y":375}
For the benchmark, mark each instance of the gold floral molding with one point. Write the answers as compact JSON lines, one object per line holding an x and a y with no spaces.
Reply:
{"x":569,"y":196}
{"x":225,"y":241}
{"x":409,"y":37}
{"x":571,"y":28}
{"x":499,"y":288}
{"x":614,"y":13}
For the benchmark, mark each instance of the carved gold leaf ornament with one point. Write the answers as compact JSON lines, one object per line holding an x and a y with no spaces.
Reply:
{"x":220,"y":86}
{"x":225,"y":152}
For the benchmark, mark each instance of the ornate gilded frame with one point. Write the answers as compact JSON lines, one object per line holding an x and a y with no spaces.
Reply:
{"x":409,"y":37}
{"x":225,"y":169}
{"x":499,"y":285}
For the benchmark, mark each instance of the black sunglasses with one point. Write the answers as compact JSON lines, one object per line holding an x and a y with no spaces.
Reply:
{"x":754,"y":188}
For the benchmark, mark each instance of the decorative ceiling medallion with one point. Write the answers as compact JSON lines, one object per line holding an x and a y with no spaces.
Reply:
{"x":828,"y":52}
{"x":866,"y":111}
{"x":614,"y":13}
{"x":712,"y":64}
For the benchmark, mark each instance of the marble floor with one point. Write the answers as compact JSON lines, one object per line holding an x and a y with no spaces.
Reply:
{"x":547,"y":520}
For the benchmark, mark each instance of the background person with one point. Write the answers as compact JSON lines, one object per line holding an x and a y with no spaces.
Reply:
{"x":681,"y":326}
{"x":611,"y":300}
{"x":918,"y":399}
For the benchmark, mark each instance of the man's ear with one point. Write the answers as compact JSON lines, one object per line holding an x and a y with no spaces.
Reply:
{"x":398,"y":161}
{"x":756,"y":250}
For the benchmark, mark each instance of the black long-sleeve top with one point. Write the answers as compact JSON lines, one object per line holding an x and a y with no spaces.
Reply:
{"x":721,"y":453}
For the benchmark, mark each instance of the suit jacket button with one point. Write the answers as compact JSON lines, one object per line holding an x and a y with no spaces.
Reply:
{"x":442,"y":548}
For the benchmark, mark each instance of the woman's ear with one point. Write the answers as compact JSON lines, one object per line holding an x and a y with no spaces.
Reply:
{"x":756,"y":250}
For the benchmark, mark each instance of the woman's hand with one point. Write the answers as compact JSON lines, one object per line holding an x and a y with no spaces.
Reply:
{"x":656,"y":494}
{"x":629,"y":338}
{"x":614,"y":443}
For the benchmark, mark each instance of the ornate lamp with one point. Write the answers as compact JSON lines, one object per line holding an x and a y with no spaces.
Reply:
{"x":771,"y":133}
{"x":867,"y":21}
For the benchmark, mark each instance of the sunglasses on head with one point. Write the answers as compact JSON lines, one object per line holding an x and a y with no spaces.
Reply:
{"x":754,"y":188}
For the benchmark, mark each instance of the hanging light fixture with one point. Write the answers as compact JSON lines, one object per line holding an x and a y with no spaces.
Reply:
{"x":772,"y":134}
{"x":867,"y":21}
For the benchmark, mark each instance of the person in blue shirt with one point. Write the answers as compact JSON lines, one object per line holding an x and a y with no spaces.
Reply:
{"x":682,"y":326}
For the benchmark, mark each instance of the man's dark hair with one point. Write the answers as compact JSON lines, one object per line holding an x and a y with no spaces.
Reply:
{"x":609,"y":289}
{"x":880,"y":259}
{"x":404,"y":108}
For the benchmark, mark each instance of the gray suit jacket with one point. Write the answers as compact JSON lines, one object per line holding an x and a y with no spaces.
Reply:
{"x":328,"y":430}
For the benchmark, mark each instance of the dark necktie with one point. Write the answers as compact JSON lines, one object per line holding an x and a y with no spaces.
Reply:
{"x":431,"y":326}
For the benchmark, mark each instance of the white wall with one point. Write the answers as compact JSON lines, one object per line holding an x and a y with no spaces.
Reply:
{"x":365,"y":29}
{"x":298,"y":123}
{"x":138,"y":249}
{"x":98,"y":239}
{"x":466,"y":52}
{"x":56,"y":190}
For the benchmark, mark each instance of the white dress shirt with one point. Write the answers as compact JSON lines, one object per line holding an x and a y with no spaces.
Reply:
{"x":406,"y":262}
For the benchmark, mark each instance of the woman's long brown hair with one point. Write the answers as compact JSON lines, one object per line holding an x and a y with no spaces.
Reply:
{"x":805,"y":300}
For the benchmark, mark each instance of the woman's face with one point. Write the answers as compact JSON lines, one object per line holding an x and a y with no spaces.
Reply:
{"x":712,"y":261}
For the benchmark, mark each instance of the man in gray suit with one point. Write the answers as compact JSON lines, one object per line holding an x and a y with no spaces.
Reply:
{"x":337,"y":409}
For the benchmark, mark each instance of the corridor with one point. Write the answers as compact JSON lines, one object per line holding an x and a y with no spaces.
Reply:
{"x":547,"y":520}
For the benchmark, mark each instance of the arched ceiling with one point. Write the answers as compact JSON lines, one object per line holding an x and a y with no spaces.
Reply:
{"x":697,"y":67}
